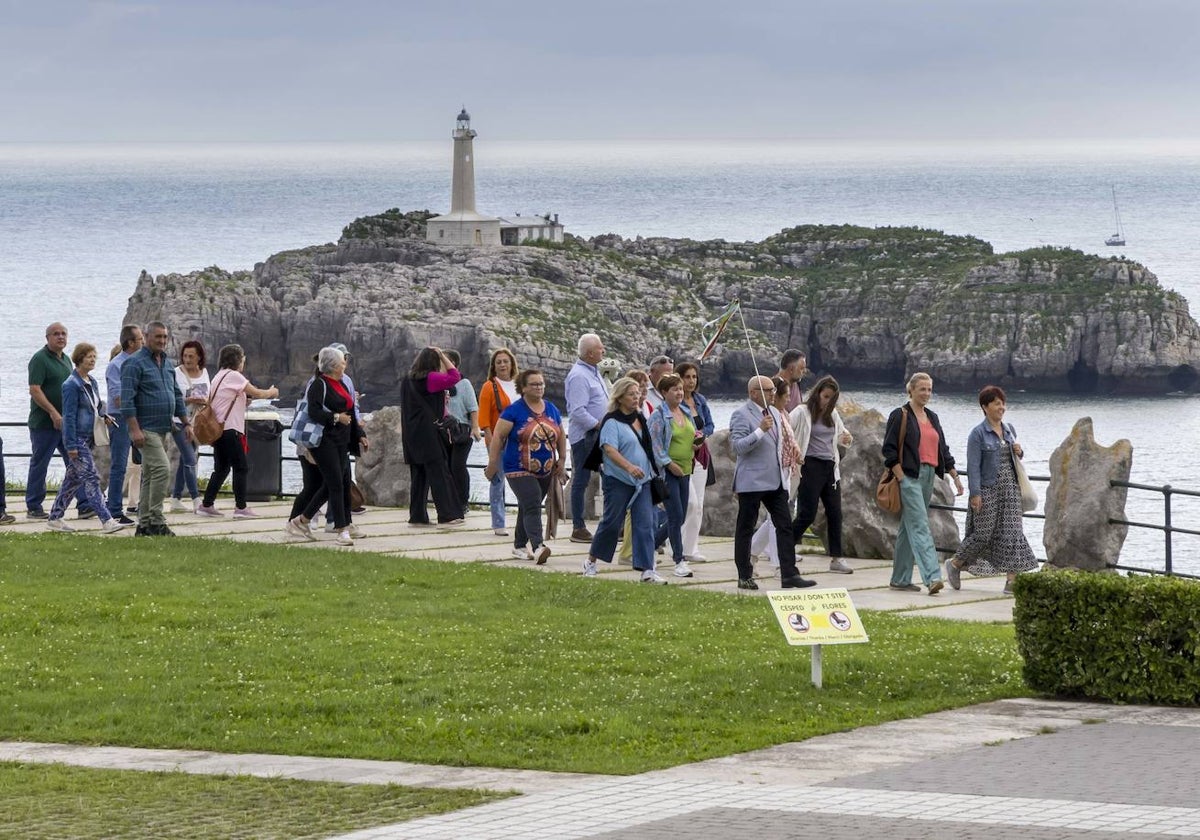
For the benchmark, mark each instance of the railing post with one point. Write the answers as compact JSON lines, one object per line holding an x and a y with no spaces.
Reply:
{"x":1167,"y":524}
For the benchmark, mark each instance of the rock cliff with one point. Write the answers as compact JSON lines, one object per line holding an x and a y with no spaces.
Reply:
{"x":866,"y":305}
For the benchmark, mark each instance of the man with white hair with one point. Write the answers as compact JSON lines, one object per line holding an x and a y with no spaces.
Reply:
{"x":587,"y":403}
{"x":660,"y":366}
{"x":758,"y":478}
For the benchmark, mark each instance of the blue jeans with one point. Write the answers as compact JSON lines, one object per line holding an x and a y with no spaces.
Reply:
{"x":82,"y":479}
{"x":43,"y":443}
{"x":119,"y":446}
{"x":496,"y":499}
{"x":914,"y":542}
{"x":679,"y":486}
{"x":580,"y":477}
{"x":186,"y":474}
{"x":618,"y":498}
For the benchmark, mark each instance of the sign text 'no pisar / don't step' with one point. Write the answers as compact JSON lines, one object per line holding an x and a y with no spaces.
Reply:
{"x":816,"y":617}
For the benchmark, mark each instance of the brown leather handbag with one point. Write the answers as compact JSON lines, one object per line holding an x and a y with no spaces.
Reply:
{"x":887,"y":492}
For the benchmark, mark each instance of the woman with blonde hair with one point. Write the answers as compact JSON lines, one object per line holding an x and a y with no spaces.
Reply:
{"x":495,"y":395}
{"x":915,"y":460}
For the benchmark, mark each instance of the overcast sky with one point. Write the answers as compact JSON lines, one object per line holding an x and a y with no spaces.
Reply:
{"x":379,"y":70}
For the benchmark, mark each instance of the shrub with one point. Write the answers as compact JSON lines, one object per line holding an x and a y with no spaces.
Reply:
{"x":1106,"y":637}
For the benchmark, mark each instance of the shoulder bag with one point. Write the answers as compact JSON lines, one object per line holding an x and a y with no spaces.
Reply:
{"x":305,"y":432}
{"x":206,"y":428}
{"x":99,"y":422}
{"x":1029,"y":496}
{"x":887,"y":492}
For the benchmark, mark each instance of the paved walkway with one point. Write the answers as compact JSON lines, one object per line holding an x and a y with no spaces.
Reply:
{"x":388,"y":532}
{"x":1019,"y":769}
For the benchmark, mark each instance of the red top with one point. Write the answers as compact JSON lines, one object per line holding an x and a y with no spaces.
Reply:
{"x":342,"y":391}
{"x":929,"y":443}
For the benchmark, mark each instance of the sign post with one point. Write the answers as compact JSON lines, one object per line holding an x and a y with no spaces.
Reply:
{"x":816,"y":617}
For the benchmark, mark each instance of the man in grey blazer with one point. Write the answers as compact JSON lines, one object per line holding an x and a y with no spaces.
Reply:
{"x":754,"y":433}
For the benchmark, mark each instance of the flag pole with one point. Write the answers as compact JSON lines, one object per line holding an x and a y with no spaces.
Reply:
{"x":750,"y":345}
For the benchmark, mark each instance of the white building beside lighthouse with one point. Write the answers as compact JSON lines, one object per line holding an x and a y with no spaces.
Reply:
{"x":463,"y":225}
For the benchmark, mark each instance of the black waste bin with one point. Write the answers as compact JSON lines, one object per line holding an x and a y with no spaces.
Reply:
{"x":264,"y":478}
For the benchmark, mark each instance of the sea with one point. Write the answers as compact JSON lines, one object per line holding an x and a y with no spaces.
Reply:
{"x":79,"y":222}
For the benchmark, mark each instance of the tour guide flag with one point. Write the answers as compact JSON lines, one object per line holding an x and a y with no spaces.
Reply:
{"x":718,"y":325}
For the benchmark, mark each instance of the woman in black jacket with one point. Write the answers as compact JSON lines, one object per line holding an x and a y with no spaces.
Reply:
{"x":331,"y":405}
{"x":915,"y":461}
{"x":423,"y":397}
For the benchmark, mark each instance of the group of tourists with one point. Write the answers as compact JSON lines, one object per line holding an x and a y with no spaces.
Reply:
{"x":646,"y":434}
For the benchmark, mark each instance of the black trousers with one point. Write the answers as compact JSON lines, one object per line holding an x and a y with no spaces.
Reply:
{"x":229,"y":455}
{"x":459,"y":474}
{"x":333,"y":468}
{"x":312,"y":494}
{"x":776,"y":503}
{"x":432,"y":478}
{"x":817,"y":484}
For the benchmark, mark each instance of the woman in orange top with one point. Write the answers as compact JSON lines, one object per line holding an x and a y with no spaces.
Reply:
{"x":495,"y":395}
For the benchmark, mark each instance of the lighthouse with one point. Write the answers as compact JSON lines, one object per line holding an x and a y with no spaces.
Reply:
{"x":463,"y":225}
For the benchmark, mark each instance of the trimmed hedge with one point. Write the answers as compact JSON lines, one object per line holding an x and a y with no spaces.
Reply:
{"x":1107,"y":637}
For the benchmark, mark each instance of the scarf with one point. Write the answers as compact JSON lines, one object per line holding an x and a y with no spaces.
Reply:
{"x":643,"y":438}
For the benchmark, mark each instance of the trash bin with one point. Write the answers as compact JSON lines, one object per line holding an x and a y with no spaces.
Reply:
{"x":264,"y":478}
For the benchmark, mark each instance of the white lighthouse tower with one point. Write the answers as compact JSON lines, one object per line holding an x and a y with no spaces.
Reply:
{"x":463,"y":225}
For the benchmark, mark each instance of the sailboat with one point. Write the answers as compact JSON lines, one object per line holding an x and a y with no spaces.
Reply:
{"x":1117,"y":238}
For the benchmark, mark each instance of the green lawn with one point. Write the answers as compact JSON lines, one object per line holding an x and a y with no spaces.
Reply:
{"x":237,"y":647}
{"x":48,"y":800}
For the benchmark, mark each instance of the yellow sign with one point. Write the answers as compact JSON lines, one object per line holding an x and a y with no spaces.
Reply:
{"x":817,"y":616}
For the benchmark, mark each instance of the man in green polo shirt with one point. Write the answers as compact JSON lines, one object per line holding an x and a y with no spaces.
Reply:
{"x":48,"y":369}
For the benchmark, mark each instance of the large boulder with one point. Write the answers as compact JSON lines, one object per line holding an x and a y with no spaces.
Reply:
{"x":1081,"y":501}
{"x":381,"y":472}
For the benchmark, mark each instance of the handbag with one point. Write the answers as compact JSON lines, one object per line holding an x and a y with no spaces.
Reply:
{"x":456,"y":431}
{"x":659,"y":492}
{"x":887,"y":491}
{"x":704,"y":459}
{"x":1029,"y":496}
{"x":206,"y":428}
{"x":99,"y":423}
{"x":304,"y":431}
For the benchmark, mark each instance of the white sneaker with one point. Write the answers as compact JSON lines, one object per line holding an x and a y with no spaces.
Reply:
{"x":344,"y":538}
{"x":111,"y":526}
{"x":330,"y":528}
{"x":697,"y":558}
{"x":244,"y":513}
{"x":500,"y":532}
{"x":838,"y":565}
{"x":542,"y":554}
{"x":295,"y":529}
{"x":354,"y":532}
{"x":59,"y":525}
{"x":177,"y":506}
{"x":652,"y":576}
{"x":682,"y":569}
{"x":522,"y":554}
{"x":589,"y":567}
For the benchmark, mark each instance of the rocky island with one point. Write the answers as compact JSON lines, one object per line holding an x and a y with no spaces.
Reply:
{"x":867,"y":305}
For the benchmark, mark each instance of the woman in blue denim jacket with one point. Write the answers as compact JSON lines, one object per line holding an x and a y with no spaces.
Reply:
{"x":995,"y":542}
{"x":673,"y":435}
{"x":81,"y":406}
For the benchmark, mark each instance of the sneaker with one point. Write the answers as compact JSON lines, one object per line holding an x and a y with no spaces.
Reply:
{"x":837,"y":564}
{"x":344,"y":538}
{"x":295,"y":529}
{"x":747,"y":583}
{"x":330,"y":528}
{"x":59,"y":525}
{"x":112,"y":526}
{"x":522,"y":554}
{"x":953,"y":574}
{"x":132,"y":509}
{"x":177,"y":506}
{"x":453,"y":523}
{"x":208,"y":510}
{"x":7,"y":519}
{"x":904,"y":587}
{"x":244,"y":513}
{"x":581,"y":535}
{"x":697,"y":558}
{"x":354,"y":531}
{"x":36,"y":514}
{"x":682,"y":569}
{"x":589,"y":567}
{"x":500,"y":532}
{"x":86,"y":513}
{"x":125,"y":520}
{"x":358,"y":510}
{"x":542,"y":554}
{"x":936,"y":587}
{"x":651,"y":576}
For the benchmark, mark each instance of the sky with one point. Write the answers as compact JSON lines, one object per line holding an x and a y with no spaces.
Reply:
{"x":386,"y":70}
